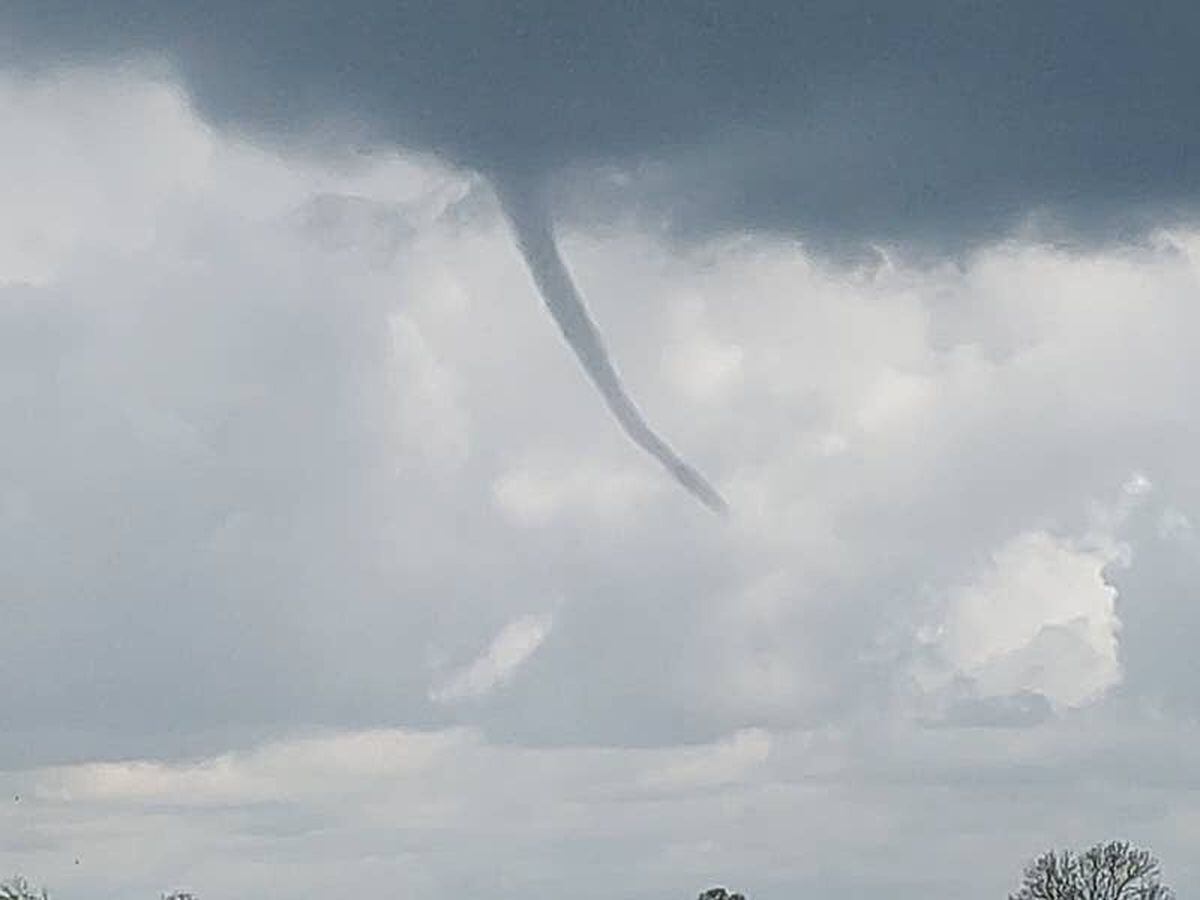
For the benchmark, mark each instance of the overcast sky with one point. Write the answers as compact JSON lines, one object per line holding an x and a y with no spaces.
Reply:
{"x":323,"y":567}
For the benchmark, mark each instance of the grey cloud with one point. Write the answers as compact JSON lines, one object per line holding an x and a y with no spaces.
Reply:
{"x":1159,"y":602}
{"x":1016,"y":711}
{"x":913,"y":121}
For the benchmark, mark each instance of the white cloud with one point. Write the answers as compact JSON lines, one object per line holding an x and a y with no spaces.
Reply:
{"x":699,"y":363}
{"x":1175,"y":525}
{"x":536,"y":493}
{"x":88,"y":170}
{"x":508,"y":651}
{"x":1039,"y":619}
{"x":318,"y":768}
{"x":431,"y":411}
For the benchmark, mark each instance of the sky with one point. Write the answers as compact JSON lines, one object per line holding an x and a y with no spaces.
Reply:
{"x":325,"y":568}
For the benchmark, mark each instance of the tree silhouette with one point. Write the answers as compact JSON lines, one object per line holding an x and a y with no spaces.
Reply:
{"x":719,"y":893}
{"x":20,"y":889}
{"x":1112,"y":871}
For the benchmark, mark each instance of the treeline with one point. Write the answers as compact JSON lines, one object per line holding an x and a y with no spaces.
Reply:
{"x":18,"y":888}
{"x":1113,"y":871}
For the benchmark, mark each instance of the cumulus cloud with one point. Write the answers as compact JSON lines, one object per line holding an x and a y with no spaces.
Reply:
{"x":1040,"y":619}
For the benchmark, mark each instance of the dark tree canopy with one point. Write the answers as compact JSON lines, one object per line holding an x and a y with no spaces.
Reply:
{"x":1112,"y":871}
{"x":719,"y":893}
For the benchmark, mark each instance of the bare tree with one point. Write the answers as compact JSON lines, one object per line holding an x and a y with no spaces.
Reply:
{"x":20,"y":889}
{"x":1112,"y":871}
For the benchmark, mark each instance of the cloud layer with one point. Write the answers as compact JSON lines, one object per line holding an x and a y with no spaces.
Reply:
{"x":322,"y":567}
{"x":850,"y":121}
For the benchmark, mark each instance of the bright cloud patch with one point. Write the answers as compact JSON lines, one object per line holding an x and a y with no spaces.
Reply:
{"x":516,"y":642}
{"x":92,"y":169}
{"x":315,"y":768}
{"x":1038,"y":619}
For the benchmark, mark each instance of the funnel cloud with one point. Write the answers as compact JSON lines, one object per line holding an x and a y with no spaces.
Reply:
{"x":534,"y":234}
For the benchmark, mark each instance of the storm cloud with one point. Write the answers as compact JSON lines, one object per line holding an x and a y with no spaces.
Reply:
{"x":849,"y":122}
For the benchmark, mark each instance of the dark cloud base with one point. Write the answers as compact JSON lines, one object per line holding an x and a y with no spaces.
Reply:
{"x":846,"y":121}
